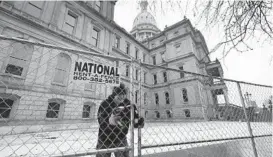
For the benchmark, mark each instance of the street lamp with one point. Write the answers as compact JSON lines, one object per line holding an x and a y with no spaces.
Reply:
{"x":250,"y":106}
{"x":247,"y":96}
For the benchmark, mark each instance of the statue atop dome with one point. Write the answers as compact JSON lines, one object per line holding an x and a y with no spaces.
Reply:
{"x":143,"y":5}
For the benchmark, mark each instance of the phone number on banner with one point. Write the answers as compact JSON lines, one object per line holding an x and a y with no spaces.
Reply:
{"x":112,"y":80}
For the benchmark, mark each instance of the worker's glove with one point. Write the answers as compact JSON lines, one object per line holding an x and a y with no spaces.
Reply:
{"x":115,"y":118}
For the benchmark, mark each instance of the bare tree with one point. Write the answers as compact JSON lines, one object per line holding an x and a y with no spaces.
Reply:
{"x":242,"y":21}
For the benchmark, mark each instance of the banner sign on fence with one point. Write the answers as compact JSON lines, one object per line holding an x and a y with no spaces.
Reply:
{"x":96,"y":72}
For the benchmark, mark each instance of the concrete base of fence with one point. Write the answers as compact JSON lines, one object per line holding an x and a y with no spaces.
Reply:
{"x":238,"y":148}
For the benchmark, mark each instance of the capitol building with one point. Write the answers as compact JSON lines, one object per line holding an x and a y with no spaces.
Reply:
{"x":43,"y":89}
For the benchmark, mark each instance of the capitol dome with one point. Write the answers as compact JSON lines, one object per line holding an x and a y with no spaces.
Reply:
{"x":144,"y":25}
{"x":144,"y":18}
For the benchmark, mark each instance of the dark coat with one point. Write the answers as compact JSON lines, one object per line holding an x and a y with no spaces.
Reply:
{"x":109,"y":134}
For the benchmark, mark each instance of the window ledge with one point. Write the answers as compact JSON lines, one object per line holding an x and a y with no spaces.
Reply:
{"x":119,"y":50}
{"x":89,"y":90}
{"x":11,"y":75}
{"x":58,"y":84}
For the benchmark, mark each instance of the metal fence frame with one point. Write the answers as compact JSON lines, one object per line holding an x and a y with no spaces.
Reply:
{"x":138,"y":64}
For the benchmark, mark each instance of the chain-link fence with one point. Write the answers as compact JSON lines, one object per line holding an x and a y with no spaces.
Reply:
{"x":57,"y":101}
{"x":204,"y":116}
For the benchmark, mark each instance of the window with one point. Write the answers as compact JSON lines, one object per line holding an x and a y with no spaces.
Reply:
{"x":136,"y":53}
{"x":127,"y":71}
{"x":90,"y":87}
{"x":62,"y":69}
{"x":145,"y":77}
{"x":117,"y":42}
{"x":95,"y":89}
{"x":53,"y":110}
{"x":155,"y":79}
{"x":136,"y":74}
{"x":153,"y":45}
{"x":156,"y":99}
{"x":144,"y":57}
{"x":95,"y":37}
{"x":187,"y":113}
{"x":19,"y":59}
{"x":127,"y":48}
{"x":163,"y":56}
{"x":176,"y":32}
{"x":145,"y":98}
{"x":169,"y":114}
{"x":5,"y":107}
{"x":34,"y":8}
{"x":117,"y":63}
{"x":98,"y":6}
{"x":161,"y":41}
{"x":136,"y":96}
{"x":167,"y":98}
{"x":185,"y":95}
{"x":157,"y":114}
{"x":165,"y":76}
{"x":181,"y":73}
{"x":154,"y":60}
{"x":70,"y":22}
{"x":146,"y":114}
{"x":86,"y":111}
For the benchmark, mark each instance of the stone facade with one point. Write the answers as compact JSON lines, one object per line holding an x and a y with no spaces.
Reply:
{"x":46,"y":76}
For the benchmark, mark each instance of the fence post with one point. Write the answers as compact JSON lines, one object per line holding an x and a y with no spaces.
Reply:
{"x":139,"y":111}
{"x":248,"y":123}
{"x":132,"y":108}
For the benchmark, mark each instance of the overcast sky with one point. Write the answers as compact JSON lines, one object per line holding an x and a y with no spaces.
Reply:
{"x":251,"y":66}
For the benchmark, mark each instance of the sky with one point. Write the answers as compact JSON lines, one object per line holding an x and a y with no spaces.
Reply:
{"x":252,"y":66}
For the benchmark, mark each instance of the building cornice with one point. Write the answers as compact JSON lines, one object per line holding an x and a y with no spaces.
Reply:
{"x":170,"y":40}
{"x":54,"y":32}
{"x":175,"y":82}
{"x":121,"y":52}
{"x":111,"y":23}
{"x":178,"y":24}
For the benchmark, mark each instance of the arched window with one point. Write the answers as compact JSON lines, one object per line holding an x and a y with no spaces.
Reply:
{"x":187,"y":113}
{"x":169,"y":113}
{"x":157,"y":114}
{"x":167,"y":98}
{"x":8,"y":103}
{"x":5,"y":107}
{"x":55,"y":108}
{"x":88,"y":110}
{"x":185,"y":95}
{"x":62,"y":69}
{"x":146,"y":114}
{"x":19,"y":59}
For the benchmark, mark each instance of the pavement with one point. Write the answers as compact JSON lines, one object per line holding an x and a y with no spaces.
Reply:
{"x":79,"y":138}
